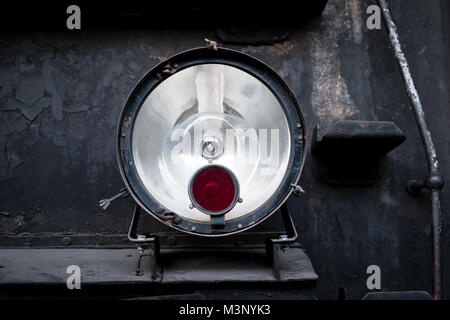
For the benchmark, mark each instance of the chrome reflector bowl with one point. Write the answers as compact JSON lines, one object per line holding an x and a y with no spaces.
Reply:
{"x":206,"y":108}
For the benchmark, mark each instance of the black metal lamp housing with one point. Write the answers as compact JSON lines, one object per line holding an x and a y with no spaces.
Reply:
{"x":211,"y":142}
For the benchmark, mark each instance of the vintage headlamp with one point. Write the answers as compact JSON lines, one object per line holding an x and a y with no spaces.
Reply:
{"x":212,"y":139}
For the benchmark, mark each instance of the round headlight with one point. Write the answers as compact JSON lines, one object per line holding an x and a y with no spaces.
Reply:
{"x":212,"y":139}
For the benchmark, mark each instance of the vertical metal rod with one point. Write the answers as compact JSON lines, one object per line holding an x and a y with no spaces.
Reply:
{"x":435,"y":181}
{"x":436,"y":243}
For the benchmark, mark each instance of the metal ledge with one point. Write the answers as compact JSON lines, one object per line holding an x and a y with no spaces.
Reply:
{"x":118,"y":266}
{"x":350,"y":150}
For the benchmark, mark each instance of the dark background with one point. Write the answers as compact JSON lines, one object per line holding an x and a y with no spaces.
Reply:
{"x":61,"y":93}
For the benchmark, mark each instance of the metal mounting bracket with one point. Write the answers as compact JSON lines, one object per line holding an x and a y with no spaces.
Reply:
{"x":145,"y":243}
{"x":275,"y":247}
{"x":148,"y":245}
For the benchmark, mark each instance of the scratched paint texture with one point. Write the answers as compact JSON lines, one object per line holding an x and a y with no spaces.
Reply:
{"x":61,"y":95}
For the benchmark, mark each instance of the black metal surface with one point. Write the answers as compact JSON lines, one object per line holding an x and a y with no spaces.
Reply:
{"x":53,"y":168}
{"x":351,"y":150}
{"x":132,"y":14}
{"x":253,"y":35}
{"x":177,"y":63}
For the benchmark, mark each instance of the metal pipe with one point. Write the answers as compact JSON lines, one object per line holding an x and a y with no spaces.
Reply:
{"x":435,"y":181}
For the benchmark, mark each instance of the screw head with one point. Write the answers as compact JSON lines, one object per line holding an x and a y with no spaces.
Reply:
{"x":171,"y":241}
{"x":66,"y":241}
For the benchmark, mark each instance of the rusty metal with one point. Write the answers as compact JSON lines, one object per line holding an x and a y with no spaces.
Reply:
{"x":211,"y":44}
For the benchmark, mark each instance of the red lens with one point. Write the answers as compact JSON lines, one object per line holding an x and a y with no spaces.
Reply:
{"x":214,"y":189}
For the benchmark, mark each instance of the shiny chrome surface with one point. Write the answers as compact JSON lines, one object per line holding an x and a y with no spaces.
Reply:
{"x":211,"y":114}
